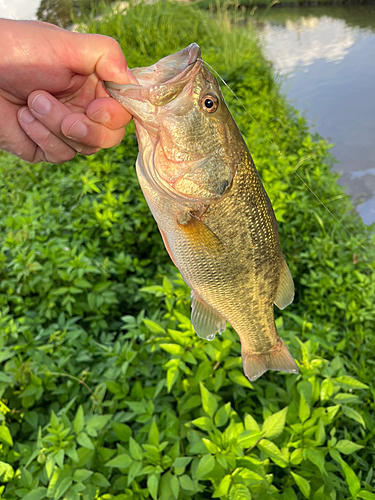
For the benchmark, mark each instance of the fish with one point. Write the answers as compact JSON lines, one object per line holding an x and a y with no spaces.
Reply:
{"x":213,"y":213}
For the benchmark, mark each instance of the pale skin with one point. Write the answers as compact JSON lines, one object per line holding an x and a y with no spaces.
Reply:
{"x":52,"y":100}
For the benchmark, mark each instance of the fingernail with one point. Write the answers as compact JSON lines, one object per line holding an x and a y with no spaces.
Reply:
{"x":26,"y":116}
{"x":41,"y":105}
{"x":101,"y":116}
{"x":78,"y":130}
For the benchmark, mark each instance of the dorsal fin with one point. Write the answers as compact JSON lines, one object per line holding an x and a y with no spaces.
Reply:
{"x":205,"y":320}
{"x":285,"y":290}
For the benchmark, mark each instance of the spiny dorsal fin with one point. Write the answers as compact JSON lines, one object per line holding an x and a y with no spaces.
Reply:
{"x":278,"y":358}
{"x":285,"y":290}
{"x":205,"y":320}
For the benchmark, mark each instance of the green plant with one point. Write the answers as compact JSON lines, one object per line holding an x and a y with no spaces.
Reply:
{"x":105,"y":390}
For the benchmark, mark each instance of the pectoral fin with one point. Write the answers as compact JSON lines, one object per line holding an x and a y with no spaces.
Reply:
{"x":199,"y":235}
{"x":205,"y":320}
{"x":285,"y":290}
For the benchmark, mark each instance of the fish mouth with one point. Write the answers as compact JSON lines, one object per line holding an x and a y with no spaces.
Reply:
{"x":174,"y":70}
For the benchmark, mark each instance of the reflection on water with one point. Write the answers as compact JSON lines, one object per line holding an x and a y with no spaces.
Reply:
{"x":327,"y":56}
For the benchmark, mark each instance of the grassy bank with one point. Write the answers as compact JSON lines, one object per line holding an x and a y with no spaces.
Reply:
{"x":250,"y":4}
{"x":106,"y":392}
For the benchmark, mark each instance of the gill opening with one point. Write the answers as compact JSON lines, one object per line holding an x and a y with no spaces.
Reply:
{"x":277,"y":149}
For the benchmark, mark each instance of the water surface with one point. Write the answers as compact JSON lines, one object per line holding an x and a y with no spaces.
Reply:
{"x":327,"y":58}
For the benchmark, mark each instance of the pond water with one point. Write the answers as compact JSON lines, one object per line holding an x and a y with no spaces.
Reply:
{"x":326,"y":56}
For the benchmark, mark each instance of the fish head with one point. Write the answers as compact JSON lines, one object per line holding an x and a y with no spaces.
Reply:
{"x":189,"y":144}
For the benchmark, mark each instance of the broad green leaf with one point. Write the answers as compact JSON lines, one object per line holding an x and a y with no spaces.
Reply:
{"x":302,"y":484}
{"x":317,"y":458}
{"x":209,"y":402}
{"x":205,"y":465}
{"x":203,"y":423}
{"x":239,"y":378}
{"x":79,"y":420}
{"x":271,"y":450}
{"x":134,"y":470}
{"x":182,"y":462}
{"x":153,"y":435}
{"x":350,"y":382}
{"x":289,"y":494}
{"x":6,"y":472}
{"x":211,"y":447}
{"x":121,"y":461}
{"x":100,"y":480}
{"x":98,"y":422}
{"x":174,"y":349}
{"x":36,"y":494}
{"x":245,"y":473}
{"x":122,"y":431}
{"x":296,"y":456}
{"x":59,"y":458}
{"x":175,"y":486}
{"x":81,"y":475}
{"x":354,"y":415}
{"x":135,"y":449}
{"x":172,"y":376}
{"x":346,"y":397}
{"x":367,"y":495}
{"x":304,"y":409}
{"x":347,"y":447}
{"x":250,"y":423}
{"x":186,"y":483}
{"x":222,"y":415}
{"x":153,"y":327}
{"x":351,"y":479}
{"x":273,"y":426}
{"x":62,"y":487}
{"x":326,"y":389}
{"x":248,"y":439}
{"x":85,"y":441}
{"x":320,"y":434}
{"x":239,"y":492}
{"x":5,"y":436}
{"x":152,"y":485}
{"x":223,"y":487}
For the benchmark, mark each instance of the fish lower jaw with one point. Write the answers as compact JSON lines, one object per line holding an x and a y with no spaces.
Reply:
{"x":277,"y":358}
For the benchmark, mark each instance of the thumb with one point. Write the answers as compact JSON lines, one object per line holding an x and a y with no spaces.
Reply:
{"x":98,"y":54}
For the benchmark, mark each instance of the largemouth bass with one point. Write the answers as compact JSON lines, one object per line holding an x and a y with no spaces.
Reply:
{"x":213,"y":213}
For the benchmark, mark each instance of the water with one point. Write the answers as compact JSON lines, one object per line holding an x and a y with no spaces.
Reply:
{"x":327,"y":58}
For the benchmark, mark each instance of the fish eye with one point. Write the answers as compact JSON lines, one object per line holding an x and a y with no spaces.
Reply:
{"x":210,"y":103}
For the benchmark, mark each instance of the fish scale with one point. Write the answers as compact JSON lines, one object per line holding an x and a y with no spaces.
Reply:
{"x":214,"y":215}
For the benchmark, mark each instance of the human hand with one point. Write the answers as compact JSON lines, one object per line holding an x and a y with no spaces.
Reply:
{"x":52,"y":99}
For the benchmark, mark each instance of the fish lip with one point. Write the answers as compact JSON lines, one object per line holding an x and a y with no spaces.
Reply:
{"x":180,"y":65}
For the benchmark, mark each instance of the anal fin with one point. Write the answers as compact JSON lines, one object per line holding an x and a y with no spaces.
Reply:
{"x":285,"y":290}
{"x":205,"y":320}
{"x":278,"y":358}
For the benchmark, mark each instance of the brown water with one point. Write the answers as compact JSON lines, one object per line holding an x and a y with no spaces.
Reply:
{"x":326,"y":56}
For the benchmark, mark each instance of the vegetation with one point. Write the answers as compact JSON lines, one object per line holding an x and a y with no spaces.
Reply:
{"x":105,"y":390}
{"x":64,"y":12}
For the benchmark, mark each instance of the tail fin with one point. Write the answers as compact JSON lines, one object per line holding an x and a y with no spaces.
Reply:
{"x":278,"y":358}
